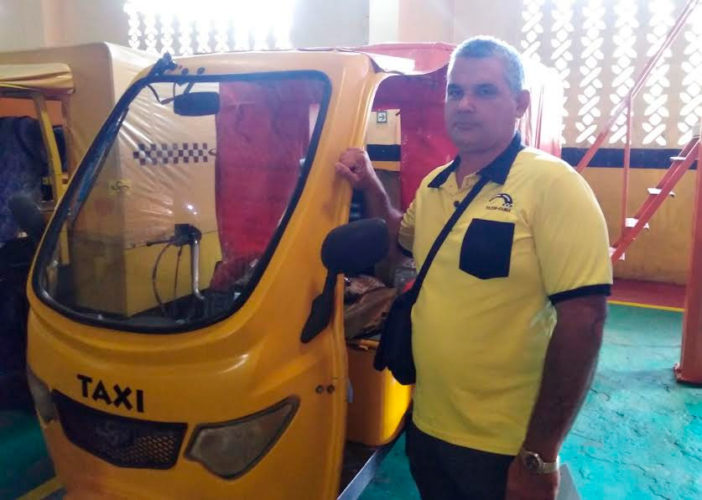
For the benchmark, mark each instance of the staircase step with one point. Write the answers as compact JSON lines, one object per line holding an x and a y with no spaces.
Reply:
{"x":614,"y":249}
{"x":656,"y":191}
{"x":632,"y":221}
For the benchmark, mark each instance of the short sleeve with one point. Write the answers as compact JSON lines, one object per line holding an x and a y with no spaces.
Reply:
{"x":405,"y":236}
{"x":571,"y":240}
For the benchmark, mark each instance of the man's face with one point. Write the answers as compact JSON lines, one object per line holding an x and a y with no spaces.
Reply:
{"x":481,"y":109}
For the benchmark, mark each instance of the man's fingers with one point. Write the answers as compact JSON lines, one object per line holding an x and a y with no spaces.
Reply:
{"x":354,"y":151}
{"x":347,"y":173}
{"x":352,"y":156}
{"x":355,"y":166}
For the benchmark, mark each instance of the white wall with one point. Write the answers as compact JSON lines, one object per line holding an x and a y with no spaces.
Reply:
{"x":28,"y":24}
{"x":411,"y":21}
{"x":329,"y":23}
{"x":383,"y":21}
{"x":499,"y":18}
{"x":21,"y":24}
{"x":444,"y":20}
{"x":426,"y":20}
{"x":85,"y":21}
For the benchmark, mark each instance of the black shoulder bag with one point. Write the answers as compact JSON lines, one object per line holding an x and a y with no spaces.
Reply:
{"x":395,"y":349}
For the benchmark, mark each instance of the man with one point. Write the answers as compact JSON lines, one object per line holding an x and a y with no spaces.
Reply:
{"x":508,"y":323}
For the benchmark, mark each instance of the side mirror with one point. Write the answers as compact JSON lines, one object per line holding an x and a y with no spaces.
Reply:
{"x":196,"y":104}
{"x":355,"y":246}
{"x":348,"y":249}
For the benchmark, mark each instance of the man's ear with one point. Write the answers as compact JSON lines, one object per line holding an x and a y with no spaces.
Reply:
{"x":523,"y":100}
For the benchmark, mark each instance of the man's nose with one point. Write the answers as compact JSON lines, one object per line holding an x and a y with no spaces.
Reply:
{"x":466,"y":103}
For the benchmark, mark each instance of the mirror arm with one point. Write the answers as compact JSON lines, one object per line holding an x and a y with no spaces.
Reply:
{"x":162,"y":65}
{"x":321,"y":310}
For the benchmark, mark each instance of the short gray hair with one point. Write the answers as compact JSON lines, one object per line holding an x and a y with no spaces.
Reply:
{"x":486,"y":46}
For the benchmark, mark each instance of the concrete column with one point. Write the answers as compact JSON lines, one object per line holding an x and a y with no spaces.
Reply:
{"x":488,"y":17}
{"x":330,"y":23}
{"x":73,"y":22}
{"x":383,"y":21}
{"x":426,"y":20}
{"x":52,"y":11}
{"x":21,"y":25}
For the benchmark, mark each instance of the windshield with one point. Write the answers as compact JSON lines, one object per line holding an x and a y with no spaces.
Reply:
{"x":181,"y":200}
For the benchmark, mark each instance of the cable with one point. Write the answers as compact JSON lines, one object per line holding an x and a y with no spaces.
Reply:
{"x":153,"y":280}
{"x":175,"y":283}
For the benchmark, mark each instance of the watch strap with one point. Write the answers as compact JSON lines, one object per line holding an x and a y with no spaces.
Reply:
{"x":543,"y":467}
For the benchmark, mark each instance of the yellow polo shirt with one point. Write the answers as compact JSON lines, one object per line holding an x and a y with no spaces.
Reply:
{"x":533,"y":236}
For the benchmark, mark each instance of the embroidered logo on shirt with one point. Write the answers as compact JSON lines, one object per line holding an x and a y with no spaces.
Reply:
{"x":501,"y":201}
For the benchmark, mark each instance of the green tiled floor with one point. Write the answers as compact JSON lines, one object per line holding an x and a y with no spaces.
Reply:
{"x":24,"y":462}
{"x":639,"y":435}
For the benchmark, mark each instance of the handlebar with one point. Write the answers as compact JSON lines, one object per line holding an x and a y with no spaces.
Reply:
{"x":187,"y":234}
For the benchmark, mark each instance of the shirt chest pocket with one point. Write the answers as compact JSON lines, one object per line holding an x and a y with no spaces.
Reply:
{"x":487,"y":249}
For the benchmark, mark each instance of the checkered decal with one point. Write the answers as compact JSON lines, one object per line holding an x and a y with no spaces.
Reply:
{"x":172,"y":154}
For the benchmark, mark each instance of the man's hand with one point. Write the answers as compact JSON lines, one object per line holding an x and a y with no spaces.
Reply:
{"x":525,"y":485}
{"x":355,"y":166}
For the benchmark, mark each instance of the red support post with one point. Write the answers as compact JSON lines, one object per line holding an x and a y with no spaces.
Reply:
{"x":689,"y":370}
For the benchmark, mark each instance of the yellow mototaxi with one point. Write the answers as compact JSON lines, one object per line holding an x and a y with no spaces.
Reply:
{"x":188,"y":332}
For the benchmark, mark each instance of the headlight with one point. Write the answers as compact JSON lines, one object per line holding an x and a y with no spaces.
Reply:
{"x":41,"y":394}
{"x":229,"y":449}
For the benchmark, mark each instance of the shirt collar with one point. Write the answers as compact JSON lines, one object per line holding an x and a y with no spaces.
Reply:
{"x":496,"y":171}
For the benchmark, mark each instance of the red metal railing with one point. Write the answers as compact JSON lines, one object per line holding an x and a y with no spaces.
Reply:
{"x":679,"y":166}
{"x":640,"y":81}
{"x":628,"y":233}
{"x":689,"y":370}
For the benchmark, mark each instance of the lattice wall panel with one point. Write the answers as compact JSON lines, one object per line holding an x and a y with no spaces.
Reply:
{"x":533,"y":28}
{"x":655,"y":95}
{"x":562,"y":47}
{"x":590,"y":102}
{"x":184,"y":28}
{"x":691,"y":91}
{"x":626,"y":27}
{"x":599,"y":47}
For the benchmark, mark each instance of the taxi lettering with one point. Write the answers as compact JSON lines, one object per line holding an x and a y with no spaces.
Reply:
{"x":116,"y":395}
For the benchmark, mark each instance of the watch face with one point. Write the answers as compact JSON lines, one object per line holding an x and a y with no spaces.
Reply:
{"x":532,"y":463}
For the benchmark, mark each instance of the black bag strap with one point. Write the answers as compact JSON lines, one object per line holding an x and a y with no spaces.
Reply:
{"x":444,"y":234}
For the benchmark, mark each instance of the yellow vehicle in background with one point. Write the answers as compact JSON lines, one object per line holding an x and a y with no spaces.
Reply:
{"x":187,"y":326}
{"x":30,"y":173}
{"x":40,"y":83}
{"x":52,"y":103}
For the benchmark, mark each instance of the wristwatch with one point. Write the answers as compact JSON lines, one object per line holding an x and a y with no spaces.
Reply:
{"x":533,"y":462}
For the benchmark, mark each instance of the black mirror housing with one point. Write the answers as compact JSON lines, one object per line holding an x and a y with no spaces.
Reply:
{"x":355,"y":246}
{"x":196,"y":104}
{"x":349,"y":249}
